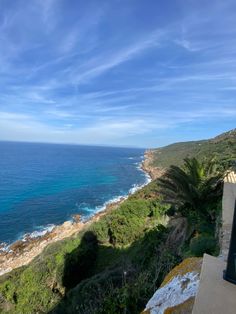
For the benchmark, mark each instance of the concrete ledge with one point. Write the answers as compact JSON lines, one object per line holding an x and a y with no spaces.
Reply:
{"x":228,"y":201}
{"x":215,"y":295}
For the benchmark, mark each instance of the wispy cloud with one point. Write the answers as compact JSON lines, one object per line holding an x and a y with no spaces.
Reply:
{"x":15,"y":126}
{"x":97,"y":73}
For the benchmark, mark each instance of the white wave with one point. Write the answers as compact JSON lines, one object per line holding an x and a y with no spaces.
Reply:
{"x":139,"y":167}
{"x":38,"y":233}
{"x":115,"y":199}
{"x":4,"y":247}
{"x":148,"y":179}
{"x":87,"y":209}
{"x":135,"y":188}
{"x":103,"y":207}
{"x":42,"y":230}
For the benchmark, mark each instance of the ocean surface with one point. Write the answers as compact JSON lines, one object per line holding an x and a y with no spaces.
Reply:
{"x":42,"y":185}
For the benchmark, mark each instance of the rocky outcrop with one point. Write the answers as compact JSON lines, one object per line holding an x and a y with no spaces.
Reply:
{"x":147,"y":166}
{"x":177,"y":292}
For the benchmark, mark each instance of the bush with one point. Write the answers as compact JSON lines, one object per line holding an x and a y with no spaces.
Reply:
{"x":203,"y":244}
{"x":100,"y":228}
{"x":158,"y":209}
{"x":139,"y":208}
{"x":126,"y":223}
{"x":123,"y":231}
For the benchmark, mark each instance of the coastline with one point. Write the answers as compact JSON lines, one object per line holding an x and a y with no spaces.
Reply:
{"x":22,"y":252}
{"x":147,"y":165}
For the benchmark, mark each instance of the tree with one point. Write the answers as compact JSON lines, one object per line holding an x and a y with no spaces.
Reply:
{"x":194,"y":186}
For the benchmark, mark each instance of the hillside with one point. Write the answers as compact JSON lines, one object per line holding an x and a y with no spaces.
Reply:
{"x":90,"y":269}
{"x":222,"y":147}
{"x":116,"y":263}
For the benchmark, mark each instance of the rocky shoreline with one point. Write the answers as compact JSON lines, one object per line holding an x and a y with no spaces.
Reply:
{"x":147,"y":165}
{"x":23,"y":251}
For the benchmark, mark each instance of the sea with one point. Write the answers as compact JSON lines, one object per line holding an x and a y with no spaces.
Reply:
{"x":43,"y":185}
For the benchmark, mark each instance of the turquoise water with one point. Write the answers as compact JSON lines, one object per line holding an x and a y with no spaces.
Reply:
{"x":45,"y":184}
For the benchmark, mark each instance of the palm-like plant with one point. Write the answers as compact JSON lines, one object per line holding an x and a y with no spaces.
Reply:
{"x":193,"y":186}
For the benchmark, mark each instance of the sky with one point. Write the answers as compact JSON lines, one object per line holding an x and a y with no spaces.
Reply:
{"x":142,"y":73}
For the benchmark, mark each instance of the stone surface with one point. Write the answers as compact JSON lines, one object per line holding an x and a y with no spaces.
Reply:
{"x":228,"y":204}
{"x":215,"y":295}
{"x":76,"y":218}
{"x":177,"y":292}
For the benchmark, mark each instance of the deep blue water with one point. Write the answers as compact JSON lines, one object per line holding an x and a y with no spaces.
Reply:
{"x":42,"y":184}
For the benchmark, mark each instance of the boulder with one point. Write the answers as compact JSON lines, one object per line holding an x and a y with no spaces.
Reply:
{"x":178,"y":290}
{"x":18,"y":246}
{"x":76,"y":218}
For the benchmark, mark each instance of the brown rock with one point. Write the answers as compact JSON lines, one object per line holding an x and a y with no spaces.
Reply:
{"x":18,"y":246}
{"x":76,"y":218}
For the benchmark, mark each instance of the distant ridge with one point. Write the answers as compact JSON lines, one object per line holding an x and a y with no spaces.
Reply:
{"x":224,"y":136}
{"x":222,"y":147}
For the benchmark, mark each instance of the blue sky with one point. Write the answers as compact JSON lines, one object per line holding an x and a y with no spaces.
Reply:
{"x":117,"y":72}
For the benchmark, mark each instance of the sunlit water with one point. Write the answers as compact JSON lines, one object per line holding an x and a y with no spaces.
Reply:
{"x":45,"y":184}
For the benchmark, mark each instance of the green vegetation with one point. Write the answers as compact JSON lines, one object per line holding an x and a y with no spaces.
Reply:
{"x":193,"y":187}
{"x":222,"y":148}
{"x":119,"y":261}
{"x":203,"y":244}
{"x":195,"y":191}
{"x":90,"y":268}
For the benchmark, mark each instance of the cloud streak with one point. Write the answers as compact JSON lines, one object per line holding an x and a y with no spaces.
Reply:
{"x":92,"y":73}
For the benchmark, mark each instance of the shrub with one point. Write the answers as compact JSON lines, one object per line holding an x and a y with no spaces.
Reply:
{"x":122,"y":230}
{"x":158,"y":209}
{"x":100,"y":228}
{"x":127,"y":222}
{"x":203,"y":244}
{"x":139,"y":208}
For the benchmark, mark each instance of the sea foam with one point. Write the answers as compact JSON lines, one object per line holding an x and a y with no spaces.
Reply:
{"x":42,"y":230}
